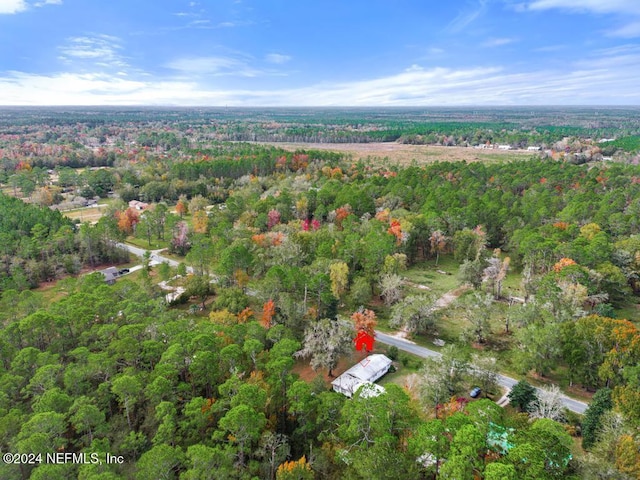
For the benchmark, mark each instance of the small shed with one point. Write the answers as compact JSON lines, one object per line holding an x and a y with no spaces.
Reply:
{"x":365,"y":372}
{"x":110,"y":275}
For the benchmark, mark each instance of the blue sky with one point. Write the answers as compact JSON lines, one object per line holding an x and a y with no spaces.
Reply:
{"x":320,"y":52}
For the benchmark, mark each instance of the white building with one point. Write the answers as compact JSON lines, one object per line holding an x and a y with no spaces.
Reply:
{"x":363,"y":373}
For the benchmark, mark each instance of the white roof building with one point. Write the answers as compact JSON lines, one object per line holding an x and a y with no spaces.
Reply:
{"x":365,"y":372}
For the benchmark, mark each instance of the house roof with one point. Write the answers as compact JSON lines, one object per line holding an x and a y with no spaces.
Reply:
{"x":109,"y":273}
{"x":367,"y":369}
{"x":363,"y":373}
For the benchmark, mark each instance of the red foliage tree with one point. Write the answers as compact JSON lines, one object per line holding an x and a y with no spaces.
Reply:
{"x":273,"y":218}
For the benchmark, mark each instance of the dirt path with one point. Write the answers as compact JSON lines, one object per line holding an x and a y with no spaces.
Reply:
{"x":448,"y":298}
{"x":443,"y":302}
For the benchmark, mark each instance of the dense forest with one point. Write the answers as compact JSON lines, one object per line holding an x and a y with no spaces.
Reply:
{"x":39,"y":244}
{"x":281,"y":258}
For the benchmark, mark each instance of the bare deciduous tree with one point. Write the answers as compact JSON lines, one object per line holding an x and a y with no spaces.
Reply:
{"x":390,"y":288}
{"x":549,"y":404}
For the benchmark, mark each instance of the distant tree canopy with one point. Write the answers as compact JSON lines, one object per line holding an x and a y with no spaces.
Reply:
{"x":38,"y":243}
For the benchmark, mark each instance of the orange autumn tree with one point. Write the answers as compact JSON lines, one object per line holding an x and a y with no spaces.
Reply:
{"x":342,"y":213}
{"x":245,"y":315}
{"x":127,"y":220}
{"x":268,"y":312}
{"x":396,"y":230}
{"x":562,"y":263}
{"x":181,"y":207}
{"x":365,"y":321}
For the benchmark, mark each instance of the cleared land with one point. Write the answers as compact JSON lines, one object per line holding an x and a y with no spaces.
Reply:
{"x":86,"y":214}
{"x":403,"y":154}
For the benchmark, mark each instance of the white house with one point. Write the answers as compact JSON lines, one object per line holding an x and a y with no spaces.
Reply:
{"x":137,"y":205}
{"x":365,"y":372}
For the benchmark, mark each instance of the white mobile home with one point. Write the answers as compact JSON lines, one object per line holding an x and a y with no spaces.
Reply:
{"x":365,"y":372}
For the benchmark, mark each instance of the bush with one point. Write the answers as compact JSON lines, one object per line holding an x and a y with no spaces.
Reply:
{"x":392,"y":352}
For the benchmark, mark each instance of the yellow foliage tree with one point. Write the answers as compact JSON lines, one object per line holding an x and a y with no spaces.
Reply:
{"x":339,"y":274}
{"x":200,"y":221}
{"x":295,"y":470}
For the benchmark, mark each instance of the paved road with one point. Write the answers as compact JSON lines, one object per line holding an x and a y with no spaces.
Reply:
{"x":156,"y":258}
{"x":504,"y":381}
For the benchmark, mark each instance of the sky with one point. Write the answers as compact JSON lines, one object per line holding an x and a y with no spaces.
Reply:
{"x":320,"y":52}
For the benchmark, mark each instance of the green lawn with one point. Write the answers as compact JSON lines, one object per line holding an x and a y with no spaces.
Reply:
{"x":143,"y":243}
{"x":428,"y":274}
{"x":629,"y":311}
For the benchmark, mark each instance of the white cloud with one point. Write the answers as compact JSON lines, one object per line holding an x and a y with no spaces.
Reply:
{"x":467,"y":17}
{"x":608,"y":76}
{"x":48,"y":2}
{"x":211,"y":66}
{"x":101,"y":49}
{"x":497,"y":42}
{"x":238,"y":65}
{"x":630,"y":30}
{"x":9,"y":7}
{"x":277,"y":58}
{"x":594,"y":6}
{"x":234,"y":24}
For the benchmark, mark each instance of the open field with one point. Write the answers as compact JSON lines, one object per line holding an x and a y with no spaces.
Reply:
{"x":404,"y":154}
{"x":86,"y":214}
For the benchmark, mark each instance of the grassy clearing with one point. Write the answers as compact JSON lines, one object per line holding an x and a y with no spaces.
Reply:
{"x":429,"y":275}
{"x":86,"y":214}
{"x":405,"y":366}
{"x":453,"y":321}
{"x":50,"y":292}
{"x":144,"y":243}
{"x":387,"y":153}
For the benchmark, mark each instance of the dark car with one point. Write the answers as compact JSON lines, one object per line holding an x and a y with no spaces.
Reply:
{"x":123,"y":271}
{"x":475,"y":393}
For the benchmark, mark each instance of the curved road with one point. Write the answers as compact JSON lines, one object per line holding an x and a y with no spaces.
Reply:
{"x":504,"y":381}
{"x":155,"y":258}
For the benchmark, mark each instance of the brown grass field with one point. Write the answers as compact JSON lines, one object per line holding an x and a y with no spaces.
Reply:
{"x":90,"y":214}
{"x":402,"y":154}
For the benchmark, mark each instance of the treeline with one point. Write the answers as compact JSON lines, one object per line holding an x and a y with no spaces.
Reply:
{"x":38,"y":244}
{"x":109,"y":370}
{"x":627,"y":144}
{"x":416,"y":132}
